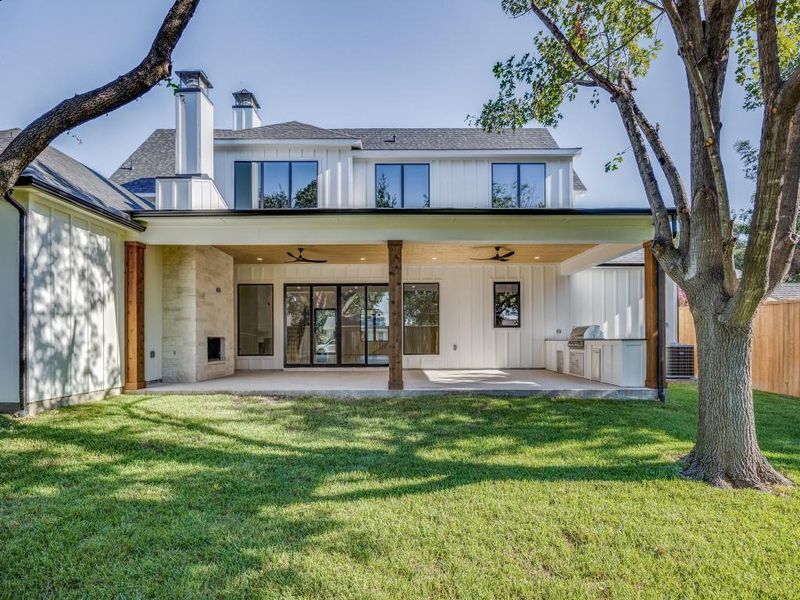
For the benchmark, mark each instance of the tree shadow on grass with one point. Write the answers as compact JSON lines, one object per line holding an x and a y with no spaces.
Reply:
{"x":143,"y":496}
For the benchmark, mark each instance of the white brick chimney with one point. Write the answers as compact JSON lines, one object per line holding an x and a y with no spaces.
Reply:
{"x":245,"y":110}
{"x":194,"y":125}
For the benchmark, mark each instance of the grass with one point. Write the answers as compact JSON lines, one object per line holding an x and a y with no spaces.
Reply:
{"x":449,"y":497}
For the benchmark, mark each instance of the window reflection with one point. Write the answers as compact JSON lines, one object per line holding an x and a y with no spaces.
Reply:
{"x":402,"y":186}
{"x":518,"y":185}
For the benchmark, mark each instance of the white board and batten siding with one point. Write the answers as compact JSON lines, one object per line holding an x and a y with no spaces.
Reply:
{"x":9,"y":303}
{"x":468,"y":338}
{"x":347,"y":181}
{"x":464,"y":182}
{"x":613,"y":297}
{"x":334,"y":168}
{"x":75,"y":304}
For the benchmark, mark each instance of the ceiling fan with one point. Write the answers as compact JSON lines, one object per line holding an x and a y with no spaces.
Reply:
{"x":497,"y":256}
{"x":301,"y":258}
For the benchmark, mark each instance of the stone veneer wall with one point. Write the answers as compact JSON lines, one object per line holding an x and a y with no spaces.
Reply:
{"x":194,"y":310}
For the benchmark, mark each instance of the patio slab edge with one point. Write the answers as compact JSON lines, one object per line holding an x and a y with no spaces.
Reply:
{"x":577,"y":394}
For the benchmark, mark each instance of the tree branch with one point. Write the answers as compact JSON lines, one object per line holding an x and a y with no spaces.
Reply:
{"x":688,"y":47}
{"x":671,"y":173}
{"x":621,"y":94}
{"x":768,"y":251}
{"x":767,"y":36}
{"x":155,"y":67}
{"x":663,"y":246}
{"x":786,"y":235}
{"x":576,"y":57}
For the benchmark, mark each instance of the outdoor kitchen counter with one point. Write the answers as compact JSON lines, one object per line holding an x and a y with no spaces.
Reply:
{"x":613,"y":360}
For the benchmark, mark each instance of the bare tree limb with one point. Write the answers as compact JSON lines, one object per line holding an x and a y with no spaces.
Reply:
{"x":773,"y":195}
{"x":767,"y":36}
{"x":663,"y":246}
{"x":671,"y":173}
{"x":687,"y":43}
{"x":155,"y":67}
{"x":786,"y":235}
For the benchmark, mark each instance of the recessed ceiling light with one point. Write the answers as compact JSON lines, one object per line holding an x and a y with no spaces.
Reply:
{"x":259,"y":259}
{"x":362,"y":258}
{"x":434,"y":258}
{"x":535,"y":258}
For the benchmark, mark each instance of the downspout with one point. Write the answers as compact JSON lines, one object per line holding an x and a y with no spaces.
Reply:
{"x":662,"y":396}
{"x":661,"y":308}
{"x":23,"y":297}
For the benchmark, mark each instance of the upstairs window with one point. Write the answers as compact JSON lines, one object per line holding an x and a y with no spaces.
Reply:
{"x":518,"y":185}
{"x":275,"y":184}
{"x":402,"y":186}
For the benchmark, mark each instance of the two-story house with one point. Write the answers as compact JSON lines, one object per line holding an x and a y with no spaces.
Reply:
{"x":294,"y":248}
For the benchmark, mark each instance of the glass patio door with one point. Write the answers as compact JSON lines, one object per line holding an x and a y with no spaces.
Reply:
{"x":353,"y":323}
{"x":377,"y":333}
{"x":336,"y":325}
{"x":326,"y":316}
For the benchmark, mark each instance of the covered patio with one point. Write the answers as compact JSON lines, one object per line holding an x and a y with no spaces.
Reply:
{"x":371,"y":382}
{"x":244,"y":310}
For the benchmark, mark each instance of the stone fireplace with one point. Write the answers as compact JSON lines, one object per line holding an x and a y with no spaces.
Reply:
{"x":198,"y":305}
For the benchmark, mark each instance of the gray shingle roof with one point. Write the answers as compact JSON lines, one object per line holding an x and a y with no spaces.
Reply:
{"x":786,"y":291}
{"x":291,"y":130}
{"x":77,"y":183}
{"x":451,"y":139}
{"x":156,"y":156}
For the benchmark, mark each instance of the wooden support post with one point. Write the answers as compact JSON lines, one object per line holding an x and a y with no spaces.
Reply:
{"x":134,"y":316}
{"x":395,"y":314}
{"x":654,"y":315}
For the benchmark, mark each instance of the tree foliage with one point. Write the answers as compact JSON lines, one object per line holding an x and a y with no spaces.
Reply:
{"x":606,"y":46}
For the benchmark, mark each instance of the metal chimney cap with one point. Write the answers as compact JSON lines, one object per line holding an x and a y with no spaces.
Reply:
{"x":245,"y":99}
{"x":194,"y":80}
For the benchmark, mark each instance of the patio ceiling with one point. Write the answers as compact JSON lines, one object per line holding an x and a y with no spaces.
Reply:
{"x":413,"y":253}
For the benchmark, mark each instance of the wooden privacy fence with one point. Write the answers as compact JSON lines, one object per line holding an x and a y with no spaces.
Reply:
{"x":776,"y":345}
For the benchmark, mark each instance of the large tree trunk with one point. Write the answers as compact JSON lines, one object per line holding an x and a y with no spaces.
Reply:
{"x":726,"y":453}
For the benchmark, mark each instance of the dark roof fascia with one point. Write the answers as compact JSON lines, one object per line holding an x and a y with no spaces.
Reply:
{"x":28,"y":180}
{"x":293,"y":212}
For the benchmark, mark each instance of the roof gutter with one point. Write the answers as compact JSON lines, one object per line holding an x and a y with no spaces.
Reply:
{"x":27,"y":180}
{"x":342,"y":212}
{"x":23,"y":297}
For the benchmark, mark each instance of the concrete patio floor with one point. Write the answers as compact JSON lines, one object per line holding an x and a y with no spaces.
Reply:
{"x":373,"y":382}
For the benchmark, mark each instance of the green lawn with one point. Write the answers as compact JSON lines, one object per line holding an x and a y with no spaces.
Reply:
{"x":447,"y":497}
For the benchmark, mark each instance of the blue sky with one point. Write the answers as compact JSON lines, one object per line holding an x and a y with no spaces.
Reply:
{"x":349,"y":63}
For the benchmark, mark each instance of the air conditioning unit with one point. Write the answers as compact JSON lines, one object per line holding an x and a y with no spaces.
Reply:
{"x":680,"y":361}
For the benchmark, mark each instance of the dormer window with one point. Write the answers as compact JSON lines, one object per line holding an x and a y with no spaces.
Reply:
{"x":518,"y":185}
{"x":402,"y":186}
{"x":275,"y":184}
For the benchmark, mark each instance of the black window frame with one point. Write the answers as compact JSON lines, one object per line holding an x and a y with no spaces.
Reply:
{"x":338,"y":364}
{"x":260,"y":176}
{"x":402,"y":182}
{"x":239,"y":318}
{"x":494,"y":304}
{"x":438,"y":317}
{"x":519,"y":170}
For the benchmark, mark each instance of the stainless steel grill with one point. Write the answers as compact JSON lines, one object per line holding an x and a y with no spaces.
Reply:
{"x":580,"y":334}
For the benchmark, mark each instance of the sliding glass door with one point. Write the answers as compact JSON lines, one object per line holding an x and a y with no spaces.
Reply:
{"x":353,"y":319}
{"x":336,"y":325}
{"x":377,"y":324}
{"x":326,"y":316}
